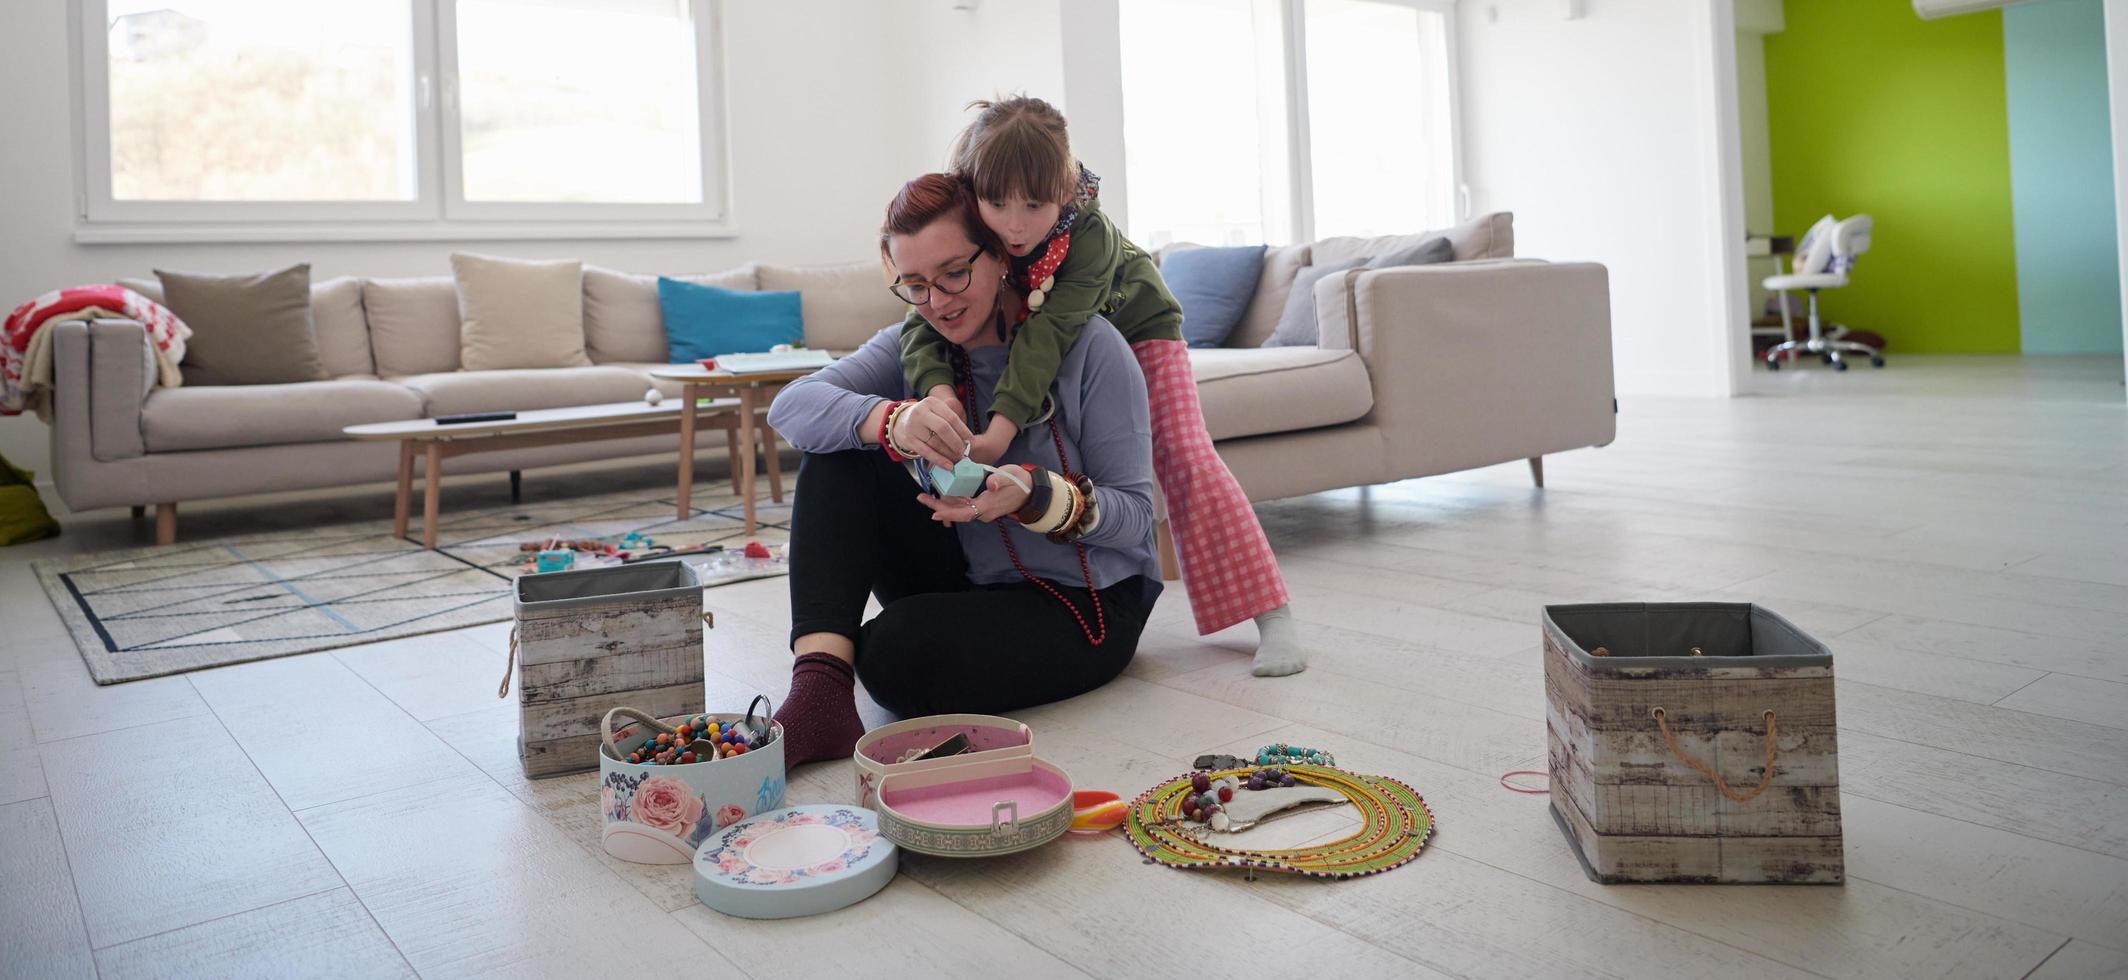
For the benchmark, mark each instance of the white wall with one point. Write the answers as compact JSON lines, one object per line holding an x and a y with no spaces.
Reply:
{"x":1756,"y":144}
{"x":829,"y":113}
{"x":1002,"y":47}
{"x":1605,"y":135}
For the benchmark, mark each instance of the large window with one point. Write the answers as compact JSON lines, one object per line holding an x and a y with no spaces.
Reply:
{"x":399,"y":114}
{"x":1287,"y":120}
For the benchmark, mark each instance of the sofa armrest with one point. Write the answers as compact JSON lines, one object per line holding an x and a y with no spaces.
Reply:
{"x":102,"y":372}
{"x":1477,"y":363}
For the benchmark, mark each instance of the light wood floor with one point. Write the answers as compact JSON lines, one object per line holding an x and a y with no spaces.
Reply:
{"x":1955,"y":528}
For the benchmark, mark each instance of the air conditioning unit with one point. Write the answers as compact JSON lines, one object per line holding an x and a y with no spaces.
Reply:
{"x":1933,"y":9}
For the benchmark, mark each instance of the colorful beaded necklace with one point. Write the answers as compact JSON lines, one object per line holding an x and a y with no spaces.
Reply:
{"x":964,"y":389}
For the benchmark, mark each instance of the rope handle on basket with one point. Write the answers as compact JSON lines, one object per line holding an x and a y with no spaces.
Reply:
{"x":510,"y":667}
{"x":606,"y":728}
{"x":1772,"y":748}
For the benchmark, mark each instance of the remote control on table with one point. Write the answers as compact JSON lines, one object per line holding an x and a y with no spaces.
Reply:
{"x":475,"y":417}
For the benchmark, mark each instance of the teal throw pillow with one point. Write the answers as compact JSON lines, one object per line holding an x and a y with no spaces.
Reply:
{"x":711,"y":321}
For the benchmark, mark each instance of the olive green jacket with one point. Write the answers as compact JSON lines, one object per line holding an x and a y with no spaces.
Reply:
{"x":1102,"y":273}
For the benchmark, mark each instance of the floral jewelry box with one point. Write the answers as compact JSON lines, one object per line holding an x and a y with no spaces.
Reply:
{"x":996,"y":797}
{"x":661,"y":814}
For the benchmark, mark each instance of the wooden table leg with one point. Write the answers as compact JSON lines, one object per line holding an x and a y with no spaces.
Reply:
{"x":775,"y":466}
{"x":688,"y":394}
{"x":403,"y":501}
{"x":749,"y":401}
{"x":431,"y":494}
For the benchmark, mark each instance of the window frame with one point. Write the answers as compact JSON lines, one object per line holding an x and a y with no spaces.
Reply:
{"x":1298,"y":221}
{"x":1301,"y":138}
{"x":439,"y":209}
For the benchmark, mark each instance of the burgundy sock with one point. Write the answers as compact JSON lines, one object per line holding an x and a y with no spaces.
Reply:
{"x":819,"y":716}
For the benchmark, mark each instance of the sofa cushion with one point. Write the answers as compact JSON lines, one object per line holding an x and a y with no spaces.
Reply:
{"x":1268,"y":306}
{"x":1297,"y":327}
{"x":459,"y":392}
{"x":413,"y":324}
{"x":843,"y":305}
{"x":227,"y":417}
{"x":1213,"y":285}
{"x":710,"y":321}
{"x":1429,"y":252}
{"x":1256,"y":391}
{"x":335,"y":314}
{"x":622,"y":322}
{"x":519,"y":313}
{"x":246,"y":329}
{"x":1488,"y":236}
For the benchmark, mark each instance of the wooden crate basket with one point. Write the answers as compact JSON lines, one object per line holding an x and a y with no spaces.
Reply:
{"x":1659,"y":755}
{"x":589,"y":640}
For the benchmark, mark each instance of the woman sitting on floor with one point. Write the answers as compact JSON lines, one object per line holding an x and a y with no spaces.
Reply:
{"x":1033,"y":590}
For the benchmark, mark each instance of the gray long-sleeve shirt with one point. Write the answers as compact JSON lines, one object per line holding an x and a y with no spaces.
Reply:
{"x":1101,"y":414}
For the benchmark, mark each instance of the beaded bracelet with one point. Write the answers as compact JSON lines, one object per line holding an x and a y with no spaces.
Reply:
{"x":1281,"y":754}
{"x":886,"y":431}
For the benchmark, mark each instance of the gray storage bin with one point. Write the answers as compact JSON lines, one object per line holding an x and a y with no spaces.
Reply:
{"x":1659,"y":755}
{"x":592,"y":639}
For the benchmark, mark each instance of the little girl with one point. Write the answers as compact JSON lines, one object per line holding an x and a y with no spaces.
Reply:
{"x":1072,"y":263}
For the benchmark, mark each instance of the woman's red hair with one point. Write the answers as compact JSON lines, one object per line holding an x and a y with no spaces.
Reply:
{"x":929,"y":198}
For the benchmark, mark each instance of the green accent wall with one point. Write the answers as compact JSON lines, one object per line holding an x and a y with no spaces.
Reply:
{"x":2061,"y":177}
{"x":1872,"y":109}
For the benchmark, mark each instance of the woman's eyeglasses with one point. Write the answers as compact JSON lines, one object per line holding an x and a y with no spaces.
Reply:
{"x":952,"y":283}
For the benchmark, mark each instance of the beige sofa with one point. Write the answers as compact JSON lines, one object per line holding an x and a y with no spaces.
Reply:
{"x":1421,"y":370}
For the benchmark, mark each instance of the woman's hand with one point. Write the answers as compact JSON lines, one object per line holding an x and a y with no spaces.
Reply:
{"x":1001,"y":497}
{"x":933,"y":429}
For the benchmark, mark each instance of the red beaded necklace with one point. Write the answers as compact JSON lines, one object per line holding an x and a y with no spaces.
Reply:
{"x":964,"y":389}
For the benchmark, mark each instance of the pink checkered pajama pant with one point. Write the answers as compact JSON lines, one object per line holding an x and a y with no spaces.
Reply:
{"x":1227,"y":565}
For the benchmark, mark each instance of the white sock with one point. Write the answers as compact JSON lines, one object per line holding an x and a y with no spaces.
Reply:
{"x":1278,"y":647}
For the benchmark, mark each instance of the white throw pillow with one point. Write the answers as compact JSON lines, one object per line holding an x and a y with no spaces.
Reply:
{"x":519,"y":313}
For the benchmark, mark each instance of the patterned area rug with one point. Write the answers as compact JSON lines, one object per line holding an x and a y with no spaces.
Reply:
{"x":155,"y":611}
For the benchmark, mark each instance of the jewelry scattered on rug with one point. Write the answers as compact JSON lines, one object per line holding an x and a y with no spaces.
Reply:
{"x":563,"y":554}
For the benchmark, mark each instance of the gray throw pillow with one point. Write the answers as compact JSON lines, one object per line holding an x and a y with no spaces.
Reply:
{"x":246,"y":330}
{"x":1427,"y":252}
{"x":1297,"y":326}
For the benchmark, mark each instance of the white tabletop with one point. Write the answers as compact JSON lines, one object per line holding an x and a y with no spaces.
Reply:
{"x":534,"y":420}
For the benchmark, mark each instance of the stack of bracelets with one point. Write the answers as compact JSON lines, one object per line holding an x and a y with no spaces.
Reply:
{"x":1061,"y":509}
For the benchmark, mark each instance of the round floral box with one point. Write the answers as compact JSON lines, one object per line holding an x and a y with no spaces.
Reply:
{"x":801,"y":860}
{"x":661,"y":814}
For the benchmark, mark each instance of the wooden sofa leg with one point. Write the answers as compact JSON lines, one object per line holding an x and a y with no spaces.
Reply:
{"x":139,"y":512}
{"x":1164,"y":541}
{"x":166,"y":524}
{"x":1536,"y":470}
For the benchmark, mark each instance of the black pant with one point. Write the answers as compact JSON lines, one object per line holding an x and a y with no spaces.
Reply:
{"x":941,"y":644}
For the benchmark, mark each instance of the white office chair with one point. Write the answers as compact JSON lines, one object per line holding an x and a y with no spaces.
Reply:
{"x":1822,"y":262}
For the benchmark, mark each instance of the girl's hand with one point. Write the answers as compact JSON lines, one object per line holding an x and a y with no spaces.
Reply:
{"x":933,"y":429}
{"x":945,"y":393}
{"x":990,"y":446}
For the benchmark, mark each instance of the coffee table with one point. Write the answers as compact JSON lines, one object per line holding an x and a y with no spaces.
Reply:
{"x":536,"y":427}
{"x":753,"y":391}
